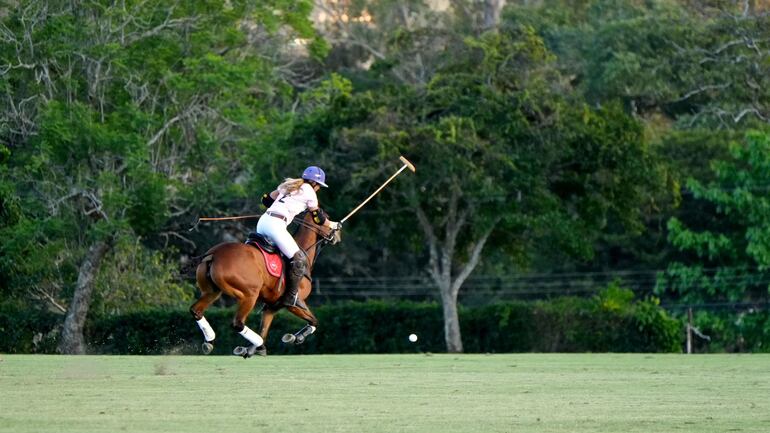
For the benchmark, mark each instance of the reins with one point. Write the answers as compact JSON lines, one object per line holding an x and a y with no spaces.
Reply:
{"x":323,"y":239}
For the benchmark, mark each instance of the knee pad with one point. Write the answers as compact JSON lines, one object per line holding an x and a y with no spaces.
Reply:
{"x":299,"y":263}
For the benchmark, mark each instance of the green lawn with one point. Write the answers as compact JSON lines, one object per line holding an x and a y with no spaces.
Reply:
{"x":386,"y":393}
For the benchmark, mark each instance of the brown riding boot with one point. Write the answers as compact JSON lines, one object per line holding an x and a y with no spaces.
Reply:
{"x":295,"y":273}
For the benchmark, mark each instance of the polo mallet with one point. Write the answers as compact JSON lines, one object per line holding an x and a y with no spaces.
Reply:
{"x":404,"y":160}
{"x":406,"y":164}
{"x":243,"y":217}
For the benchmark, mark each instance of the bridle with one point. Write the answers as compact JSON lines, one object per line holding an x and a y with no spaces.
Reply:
{"x":323,"y":238}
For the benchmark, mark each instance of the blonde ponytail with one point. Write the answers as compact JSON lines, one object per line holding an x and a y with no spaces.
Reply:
{"x":290,"y":185}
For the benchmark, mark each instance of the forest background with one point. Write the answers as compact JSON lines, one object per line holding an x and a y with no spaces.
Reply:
{"x":624,"y":143}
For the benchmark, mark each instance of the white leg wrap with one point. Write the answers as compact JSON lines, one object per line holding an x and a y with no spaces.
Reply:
{"x":252,"y":336}
{"x":208,"y":331}
{"x":312,"y":329}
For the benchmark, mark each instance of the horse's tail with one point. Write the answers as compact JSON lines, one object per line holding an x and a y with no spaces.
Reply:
{"x":203,"y":272}
{"x":188,"y":268}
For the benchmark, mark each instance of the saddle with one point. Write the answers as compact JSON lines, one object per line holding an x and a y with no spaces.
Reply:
{"x":271,"y":254}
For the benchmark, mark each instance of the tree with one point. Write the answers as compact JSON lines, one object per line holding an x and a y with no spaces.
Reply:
{"x":728,"y":257}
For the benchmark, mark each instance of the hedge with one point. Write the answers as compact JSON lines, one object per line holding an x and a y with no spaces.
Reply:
{"x":566,"y":324}
{"x":28,"y":330}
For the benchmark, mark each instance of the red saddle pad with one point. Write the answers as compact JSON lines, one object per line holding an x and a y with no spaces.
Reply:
{"x":273,"y":261}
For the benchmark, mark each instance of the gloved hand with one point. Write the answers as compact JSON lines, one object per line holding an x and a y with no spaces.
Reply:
{"x":335,"y":225}
{"x":267,"y":201}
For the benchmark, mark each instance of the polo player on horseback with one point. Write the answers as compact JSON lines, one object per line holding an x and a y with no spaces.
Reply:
{"x":290,"y":198}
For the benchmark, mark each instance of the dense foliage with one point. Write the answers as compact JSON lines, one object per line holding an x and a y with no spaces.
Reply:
{"x":728,"y":259}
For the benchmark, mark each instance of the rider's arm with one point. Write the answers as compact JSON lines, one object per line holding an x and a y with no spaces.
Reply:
{"x":269,"y":199}
{"x":320,"y":217}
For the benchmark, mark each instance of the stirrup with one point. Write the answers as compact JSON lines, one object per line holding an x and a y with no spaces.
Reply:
{"x":296,"y":302}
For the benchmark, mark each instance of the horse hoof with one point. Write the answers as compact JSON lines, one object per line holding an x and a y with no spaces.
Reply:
{"x":248,"y":352}
{"x":254,"y":350}
{"x":207,"y":347}
{"x":288,"y":338}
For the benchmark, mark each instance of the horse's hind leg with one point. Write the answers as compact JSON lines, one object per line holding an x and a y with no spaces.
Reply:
{"x":209,"y":294}
{"x":245,"y":305}
{"x":300,"y":336}
{"x":197,"y":309}
{"x":267,"y":320}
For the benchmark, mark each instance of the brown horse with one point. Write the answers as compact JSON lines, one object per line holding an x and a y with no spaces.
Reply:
{"x":238,"y":270}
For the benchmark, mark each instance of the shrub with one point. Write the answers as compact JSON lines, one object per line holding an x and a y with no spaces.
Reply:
{"x":28,"y":330}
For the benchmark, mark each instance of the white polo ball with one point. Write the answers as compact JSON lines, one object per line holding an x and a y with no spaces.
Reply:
{"x":413,"y":337}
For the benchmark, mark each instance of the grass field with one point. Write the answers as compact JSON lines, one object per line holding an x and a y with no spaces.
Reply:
{"x":386,"y":393}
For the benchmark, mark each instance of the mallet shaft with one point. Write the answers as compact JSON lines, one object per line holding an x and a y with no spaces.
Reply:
{"x":406,"y":164}
{"x":229,"y":218}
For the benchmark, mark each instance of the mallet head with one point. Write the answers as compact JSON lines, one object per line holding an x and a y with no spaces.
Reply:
{"x":407,"y":163}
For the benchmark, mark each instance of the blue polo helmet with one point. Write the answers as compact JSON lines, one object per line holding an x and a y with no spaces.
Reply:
{"x":316,"y":175}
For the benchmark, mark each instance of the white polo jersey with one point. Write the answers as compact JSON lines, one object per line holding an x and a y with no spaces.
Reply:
{"x":294,"y":203}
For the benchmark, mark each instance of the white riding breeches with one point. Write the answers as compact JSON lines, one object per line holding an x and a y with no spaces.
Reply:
{"x":275,"y":229}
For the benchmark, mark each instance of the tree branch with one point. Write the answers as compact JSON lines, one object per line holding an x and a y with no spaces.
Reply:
{"x":163,"y":130}
{"x":474,"y":258}
{"x":433,"y":266}
{"x":701,"y":90}
{"x":178,"y":236}
{"x":48,"y":297}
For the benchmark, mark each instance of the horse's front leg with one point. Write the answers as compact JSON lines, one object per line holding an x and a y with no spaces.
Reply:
{"x":300,"y":336}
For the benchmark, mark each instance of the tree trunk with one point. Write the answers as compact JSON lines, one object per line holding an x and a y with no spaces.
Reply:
{"x":72,"y":335}
{"x":442,"y":264}
{"x":492,"y":9}
{"x":452,"y":335}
